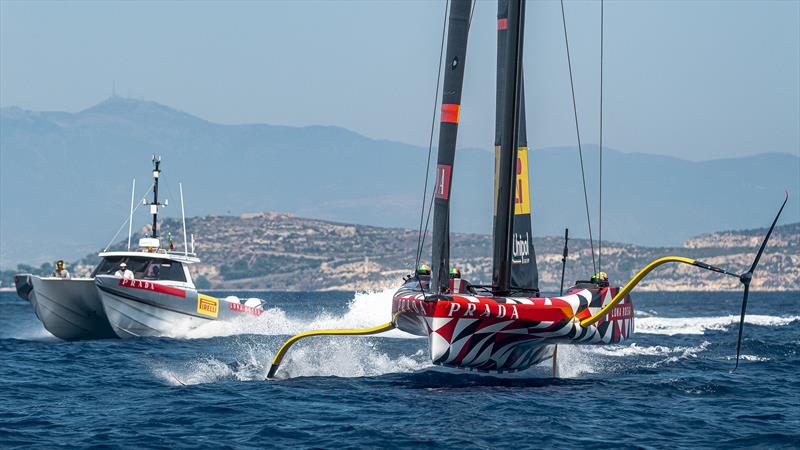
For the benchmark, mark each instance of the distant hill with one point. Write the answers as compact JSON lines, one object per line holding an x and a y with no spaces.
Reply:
{"x":278,"y":251}
{"x":65,"y":180}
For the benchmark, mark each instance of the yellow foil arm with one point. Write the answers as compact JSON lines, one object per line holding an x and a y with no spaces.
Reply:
{"x":276,"y":362}
{"x":632,"y":284}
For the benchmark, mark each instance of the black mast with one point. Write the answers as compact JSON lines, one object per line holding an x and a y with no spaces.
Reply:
{"x":524,"y":272}
{"x":154,"y":205}
{"x":457,"y":32}
{"x":503,"y":220}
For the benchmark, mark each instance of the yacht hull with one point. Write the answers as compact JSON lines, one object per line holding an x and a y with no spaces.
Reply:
{"x":69,"y":309}
{"x":145,"y":308}
{"x":507,"y":334}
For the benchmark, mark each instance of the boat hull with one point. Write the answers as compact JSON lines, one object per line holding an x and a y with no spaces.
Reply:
{"x":506,"y":334}
{"x":145,"y":308}
{"x":69,"y":309}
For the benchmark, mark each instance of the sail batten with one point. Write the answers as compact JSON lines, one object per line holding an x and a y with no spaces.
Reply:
{"x":457,"y":33}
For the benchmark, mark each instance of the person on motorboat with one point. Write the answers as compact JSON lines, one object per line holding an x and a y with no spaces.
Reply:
{"x":123,"y":272}
{"x":61,"y":271}
{"x":153,"y":271}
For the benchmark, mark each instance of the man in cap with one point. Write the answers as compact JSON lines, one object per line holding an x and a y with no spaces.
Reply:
{"x":123,"y":272}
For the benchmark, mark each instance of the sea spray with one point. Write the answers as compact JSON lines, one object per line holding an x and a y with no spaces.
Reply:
{"x":255,"y":340}
{"x":699,"y":325}
{"x":365,"y":310}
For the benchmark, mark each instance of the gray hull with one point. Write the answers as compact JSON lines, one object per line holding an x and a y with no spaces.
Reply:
{"x":68,"y":309}
{"x":145,"y":308}
{"x":131,"y":318}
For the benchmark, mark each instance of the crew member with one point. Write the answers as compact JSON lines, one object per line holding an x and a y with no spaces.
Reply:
{"x":455,"y":273}
{"x":423,"y":269}
{"x":61,"y":271}
{"x":123,"y":272}
{"x":600,"y":278}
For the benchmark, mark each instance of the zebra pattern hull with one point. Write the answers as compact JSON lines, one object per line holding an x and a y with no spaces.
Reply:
{"x":506,"y":334}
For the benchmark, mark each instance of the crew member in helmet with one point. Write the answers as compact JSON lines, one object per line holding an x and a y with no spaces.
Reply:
{"x":600,"y":278}
{"x":61,"y":271}
{"x":455,"y":273}
{"x":423,"y":269}
{"x":123,"y":272}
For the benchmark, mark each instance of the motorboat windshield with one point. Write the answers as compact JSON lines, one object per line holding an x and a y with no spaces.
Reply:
{"x":145,"y":268}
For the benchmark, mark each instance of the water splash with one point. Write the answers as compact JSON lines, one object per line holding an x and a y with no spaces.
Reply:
{"x":699,"y":325}
{"x":367,"y":309}
{"x":369,"y":356}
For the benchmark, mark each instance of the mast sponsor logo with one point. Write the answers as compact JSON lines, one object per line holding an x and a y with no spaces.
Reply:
{"x":521,"y":252}
{"x":207,"y":306}
{"x":522,"y":194}
{"x":442,"y":186}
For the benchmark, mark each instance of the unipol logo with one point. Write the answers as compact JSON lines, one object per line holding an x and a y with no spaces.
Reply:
{"x":521,"y":251}
{"x":442,"y":186}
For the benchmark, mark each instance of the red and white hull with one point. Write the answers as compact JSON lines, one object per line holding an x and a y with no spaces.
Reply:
{"x":504,"y":334}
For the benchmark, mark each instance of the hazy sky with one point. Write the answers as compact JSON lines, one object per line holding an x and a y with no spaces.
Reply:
{"x":694,"y":79}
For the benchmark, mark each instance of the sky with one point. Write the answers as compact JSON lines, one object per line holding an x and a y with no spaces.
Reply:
{"x":694,"y":79}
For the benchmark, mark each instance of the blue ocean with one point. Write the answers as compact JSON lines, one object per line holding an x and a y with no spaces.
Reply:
{"x":670,"y":386}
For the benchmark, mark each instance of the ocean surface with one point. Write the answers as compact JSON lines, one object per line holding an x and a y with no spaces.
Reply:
{"x":670,"y":386}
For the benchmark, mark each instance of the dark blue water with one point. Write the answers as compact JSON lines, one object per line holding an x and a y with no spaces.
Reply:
{"x":668,"y":387}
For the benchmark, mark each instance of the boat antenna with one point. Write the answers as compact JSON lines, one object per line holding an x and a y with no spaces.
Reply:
{"x":154,"y":205}
{"x":564,"y":260}
{"x":130,"y":217}
{"x":578,"y":133}
{"x":127,"y":220}
{"x":600,"y":213}
{"x":183,"y":217}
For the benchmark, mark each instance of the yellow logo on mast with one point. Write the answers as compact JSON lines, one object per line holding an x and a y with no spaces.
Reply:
{"x":522,"y":191}
{"x":522,"y":202}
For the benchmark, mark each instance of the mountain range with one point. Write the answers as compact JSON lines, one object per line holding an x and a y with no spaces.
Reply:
{"x":65,"y":181}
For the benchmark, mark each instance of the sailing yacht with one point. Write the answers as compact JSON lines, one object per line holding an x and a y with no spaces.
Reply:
{"x":508,"y":325}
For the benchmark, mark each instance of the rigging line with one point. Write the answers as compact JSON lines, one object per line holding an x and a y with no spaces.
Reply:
{"x":139,"y":203}
{"x":600,"y":219}
{"x":578,"y":133}
{"x":420,"y":241}
{"x":430,"y":207}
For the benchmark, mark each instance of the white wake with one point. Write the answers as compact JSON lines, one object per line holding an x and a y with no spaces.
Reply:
{"x":699,"y":325}
{"x":365,"y":310}
{"x":363,"y":356}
